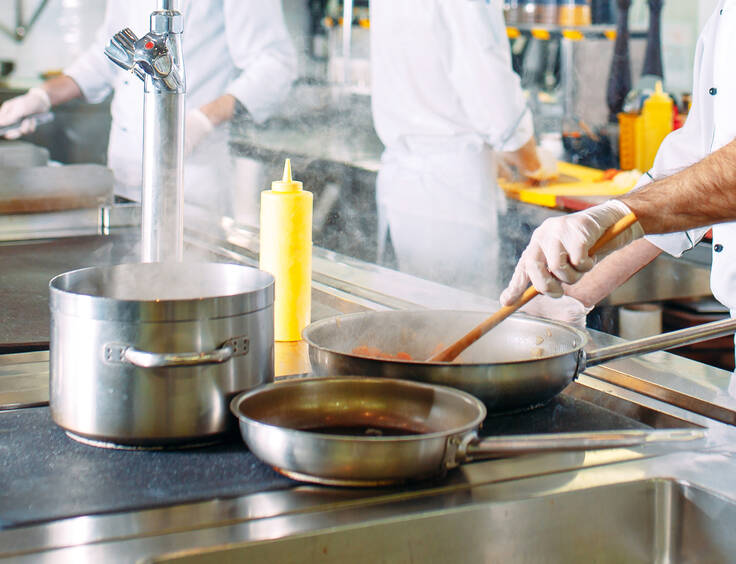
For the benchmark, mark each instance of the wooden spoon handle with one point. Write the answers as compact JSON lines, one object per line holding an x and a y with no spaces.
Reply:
{"x":450,"y":353}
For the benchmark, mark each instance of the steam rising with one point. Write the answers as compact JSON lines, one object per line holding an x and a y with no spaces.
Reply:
{"x":165,"y":281}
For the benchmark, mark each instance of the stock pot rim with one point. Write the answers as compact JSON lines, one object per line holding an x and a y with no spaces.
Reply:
{"x":70,"y":296}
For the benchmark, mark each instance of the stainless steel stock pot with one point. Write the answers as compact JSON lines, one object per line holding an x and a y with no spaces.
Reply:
{"x":150,"y":354}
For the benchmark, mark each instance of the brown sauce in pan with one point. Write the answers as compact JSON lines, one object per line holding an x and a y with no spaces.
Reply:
{"x":363,"y":431}
{"x":375,"y":352}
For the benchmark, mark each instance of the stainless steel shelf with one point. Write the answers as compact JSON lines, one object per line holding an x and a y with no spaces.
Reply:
{"x":574,"y":33}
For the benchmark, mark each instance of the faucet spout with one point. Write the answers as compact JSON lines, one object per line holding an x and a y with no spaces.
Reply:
{"x":156,"y":58}
{"x":172,"y":5}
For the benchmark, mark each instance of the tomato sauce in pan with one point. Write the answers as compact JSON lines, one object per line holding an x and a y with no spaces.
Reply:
{"x":375,"y":352}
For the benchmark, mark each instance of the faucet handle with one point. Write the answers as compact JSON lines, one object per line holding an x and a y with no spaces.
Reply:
{"x":153,"y":55}
{"x":121,"y":49}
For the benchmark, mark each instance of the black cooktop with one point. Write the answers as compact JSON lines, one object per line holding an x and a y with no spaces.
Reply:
{"x":45,"y":475}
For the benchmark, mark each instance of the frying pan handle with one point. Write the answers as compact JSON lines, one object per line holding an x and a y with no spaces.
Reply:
{"x":125,"y":354}
{"x":670,"y":340}
{"x":497,"y":447}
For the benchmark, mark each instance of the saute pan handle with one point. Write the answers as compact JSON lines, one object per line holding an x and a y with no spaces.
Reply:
{"x":670,"y":340}
{"x":496,"y":447}
{"x":145,"y":359}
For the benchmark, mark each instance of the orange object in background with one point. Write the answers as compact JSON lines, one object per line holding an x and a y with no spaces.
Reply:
{"x":678,"y":121}
{"x":630,"y":142}
{"x":640,"y":135}
{"x":609,"y":174}
{"x":574,"y":13}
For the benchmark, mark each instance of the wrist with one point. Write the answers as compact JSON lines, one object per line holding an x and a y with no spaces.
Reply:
{"x":586,"y":301}
{"x":528,"y":157}
{"x":204,"y":122}
{"x":41,"y":98}
{"x":220,"y":110}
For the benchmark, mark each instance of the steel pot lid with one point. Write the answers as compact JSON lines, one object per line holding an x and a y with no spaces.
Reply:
{"x":158,"y":292}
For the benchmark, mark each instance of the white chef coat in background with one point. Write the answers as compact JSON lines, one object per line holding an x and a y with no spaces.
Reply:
{"x":239,"y":47}
{"x":711,"y":124}
{"x":444,"y":96}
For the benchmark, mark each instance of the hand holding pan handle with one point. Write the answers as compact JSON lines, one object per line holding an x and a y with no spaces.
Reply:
{"x":450,"y":353}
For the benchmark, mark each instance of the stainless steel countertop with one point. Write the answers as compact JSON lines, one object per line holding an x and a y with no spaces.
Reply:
{"x":660,"y":389}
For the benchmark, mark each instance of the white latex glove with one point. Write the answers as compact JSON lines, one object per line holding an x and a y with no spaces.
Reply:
{"x":558,"y":249}
{"x":566,"y":308}
{"x":197,"y":127}
{"x":35,"y":101}
{"x":547,"y":169}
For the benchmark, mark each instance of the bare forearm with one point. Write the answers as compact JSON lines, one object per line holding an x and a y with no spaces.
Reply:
{"x":220,"y":110}
{"x":612,"y":272}
{"x":702,"y":194}
{"x":61,"y":89}
{"x":525,"y":157}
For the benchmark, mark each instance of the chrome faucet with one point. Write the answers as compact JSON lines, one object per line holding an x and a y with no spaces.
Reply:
{"x":156,"y":58}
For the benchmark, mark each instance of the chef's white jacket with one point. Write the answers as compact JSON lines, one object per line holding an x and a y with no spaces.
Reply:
{"x":445,"y":76}
{"x":710,"y":125}
{"x":238,"y":47}
{"x":444,"y":97}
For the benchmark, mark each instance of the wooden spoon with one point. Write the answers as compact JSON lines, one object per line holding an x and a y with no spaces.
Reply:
{"x":450,"y":353}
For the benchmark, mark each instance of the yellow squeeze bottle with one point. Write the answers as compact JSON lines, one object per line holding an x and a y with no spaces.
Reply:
{"x":286,"y":252}
{"x":657,"y":122}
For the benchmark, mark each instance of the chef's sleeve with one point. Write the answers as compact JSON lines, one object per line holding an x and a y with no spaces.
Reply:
{"x":93,"y":72}
{"x":679,"y":150}
{"x":261,"y":48}
{"x":479,"y":64}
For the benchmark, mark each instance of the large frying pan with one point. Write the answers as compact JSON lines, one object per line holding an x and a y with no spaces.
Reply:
{"x":355,"y":431}
{"x":523,"y":362}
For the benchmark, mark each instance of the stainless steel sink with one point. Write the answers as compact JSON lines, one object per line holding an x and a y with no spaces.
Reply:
{"x":653,"y":520}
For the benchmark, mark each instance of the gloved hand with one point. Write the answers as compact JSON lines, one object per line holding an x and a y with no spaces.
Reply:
{"x":567,"y":309}
{"x":558,"y":249}
{"x":35,"y":101}
{"x":547,"y":168}
{"x":529,"y":163}
{"x":197,"y":127}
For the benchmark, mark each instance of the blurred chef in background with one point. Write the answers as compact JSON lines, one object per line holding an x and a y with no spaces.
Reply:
{"x":445,"y":102}
{"x":238,"y":58}
{"x":691,"y":187}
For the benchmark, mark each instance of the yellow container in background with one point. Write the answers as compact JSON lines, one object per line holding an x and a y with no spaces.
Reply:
{"x":286,"y":252}
{"x":574,"y":12}
{"x":627,"y":140}
{"x":640,"y":135}
{"x":657,"y":117}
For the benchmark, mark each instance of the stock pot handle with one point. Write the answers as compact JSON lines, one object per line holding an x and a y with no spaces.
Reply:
{"x":126,"y":354}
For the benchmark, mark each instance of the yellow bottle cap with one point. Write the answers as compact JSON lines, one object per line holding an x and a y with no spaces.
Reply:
{"x":659,"y":93}
{"x":286,"y":184}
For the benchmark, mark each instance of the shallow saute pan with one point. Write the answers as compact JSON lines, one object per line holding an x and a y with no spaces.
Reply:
{"x":523,"y":362}
{"x":354,"y":431}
